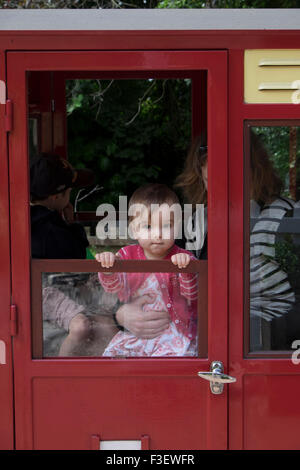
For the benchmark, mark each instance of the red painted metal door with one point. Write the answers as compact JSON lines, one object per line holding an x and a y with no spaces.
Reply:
{"x":6,"y":379}
{"x":74,"y":403}
{"x":263,"y":403}
{"x":264,"y":351}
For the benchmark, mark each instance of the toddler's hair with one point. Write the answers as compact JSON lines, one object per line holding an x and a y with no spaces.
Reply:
{"x":153,"y":193}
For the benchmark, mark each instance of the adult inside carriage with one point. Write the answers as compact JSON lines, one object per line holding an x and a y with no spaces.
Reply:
{"x":274,"y":294}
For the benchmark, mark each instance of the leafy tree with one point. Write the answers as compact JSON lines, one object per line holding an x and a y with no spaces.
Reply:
{"x":277,"y":142}
{"x":129,"y":131}
{"x":32,"y":4}
{"x":228,"y":4}
{"x":36,"y":4}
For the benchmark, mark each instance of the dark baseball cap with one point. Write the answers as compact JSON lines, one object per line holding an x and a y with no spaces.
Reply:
{"x":50,"y":174}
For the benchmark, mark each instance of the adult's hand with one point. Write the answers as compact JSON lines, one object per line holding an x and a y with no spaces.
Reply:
{"x":145,"y":325}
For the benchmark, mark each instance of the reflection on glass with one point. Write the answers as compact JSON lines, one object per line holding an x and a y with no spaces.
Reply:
{"x":274,"y":238}
{"x":33,"y":136}
{"x":79,"y":313}
{"x":174,"y":293}
{"x":104,"y":118}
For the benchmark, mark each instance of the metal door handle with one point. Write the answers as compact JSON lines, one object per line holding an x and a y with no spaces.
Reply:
{"x":216,"y":377}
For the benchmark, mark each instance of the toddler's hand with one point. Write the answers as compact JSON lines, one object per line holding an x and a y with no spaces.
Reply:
{"x":106,"y":259}
{"x":181,"y":260}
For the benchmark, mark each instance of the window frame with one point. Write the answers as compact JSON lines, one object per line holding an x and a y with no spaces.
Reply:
{"x":248,"y":124}
{"x":39,"y":266}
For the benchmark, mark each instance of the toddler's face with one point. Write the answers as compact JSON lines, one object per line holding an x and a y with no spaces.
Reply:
{"x":154,"y":231}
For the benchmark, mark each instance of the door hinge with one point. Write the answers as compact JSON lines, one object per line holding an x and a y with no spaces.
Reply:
{"x":13,"y":320}
{"x":8,"y":118}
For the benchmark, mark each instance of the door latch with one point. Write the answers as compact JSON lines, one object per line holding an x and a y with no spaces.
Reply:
{"x":216,"y":377}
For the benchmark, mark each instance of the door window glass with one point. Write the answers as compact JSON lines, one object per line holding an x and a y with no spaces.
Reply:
{"x":75,"y":314}
{"x":273,"y":270}
{"x":128,"y":132}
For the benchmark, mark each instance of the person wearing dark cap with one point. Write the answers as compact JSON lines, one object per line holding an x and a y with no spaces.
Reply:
{"x":53,"y":235}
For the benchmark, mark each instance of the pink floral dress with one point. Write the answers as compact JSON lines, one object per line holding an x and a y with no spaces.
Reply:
{"x":175,"y":293}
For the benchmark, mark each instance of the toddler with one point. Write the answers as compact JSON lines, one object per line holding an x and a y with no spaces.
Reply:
{"x":173,"y":292}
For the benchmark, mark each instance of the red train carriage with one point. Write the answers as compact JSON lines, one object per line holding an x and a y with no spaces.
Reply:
{"x":243,"y":67}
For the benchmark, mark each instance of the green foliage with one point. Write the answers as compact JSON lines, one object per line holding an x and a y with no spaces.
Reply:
{"x":37,"y":4}
{"x":34,"y":4}
{"x":276,"y":141}
{"x":129,"y":132}
{"x":287,"y":256}
{"x":228,"y":4}
{"x":181,"y":4}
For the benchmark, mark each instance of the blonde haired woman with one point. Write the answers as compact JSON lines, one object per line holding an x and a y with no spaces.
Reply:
{"x":271,"y":295}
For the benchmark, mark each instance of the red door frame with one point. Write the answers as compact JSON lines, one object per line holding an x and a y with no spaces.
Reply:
{"x":263,"y":409}
{"x":26,"y":368}
{"x":6,"y":373}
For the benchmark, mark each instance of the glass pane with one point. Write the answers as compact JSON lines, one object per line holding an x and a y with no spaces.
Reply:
{"x":274,"y":267}
{"x":79,"y":310}
{"x":33,"y":133}
{"x":127,"y":131}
